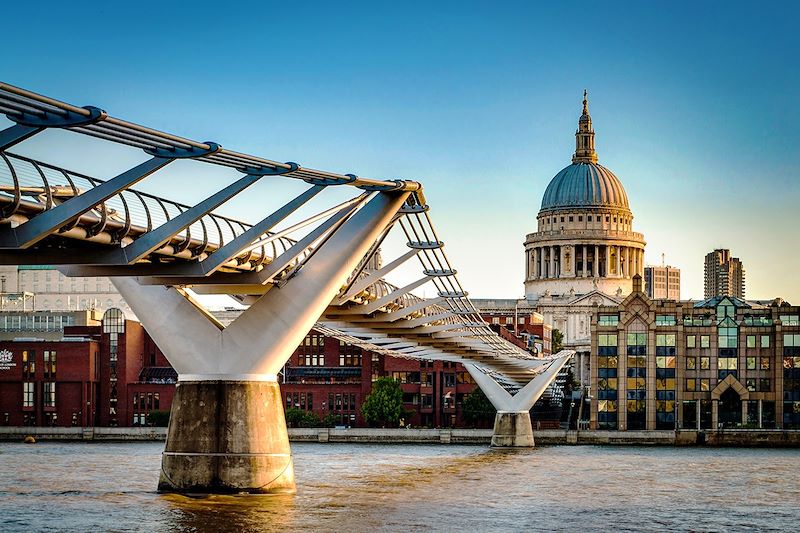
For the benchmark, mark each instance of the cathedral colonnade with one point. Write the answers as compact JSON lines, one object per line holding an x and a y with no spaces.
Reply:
{"x":590,"y":260}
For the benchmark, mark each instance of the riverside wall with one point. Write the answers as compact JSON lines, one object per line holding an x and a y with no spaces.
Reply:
{"x":544,"y":437}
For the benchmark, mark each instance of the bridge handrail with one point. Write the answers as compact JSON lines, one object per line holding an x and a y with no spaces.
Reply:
{"x":23,"y":106}
{"x":129,"y":213}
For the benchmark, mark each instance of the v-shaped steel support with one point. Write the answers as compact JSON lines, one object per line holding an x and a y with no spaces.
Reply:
{"x":259,"y":342}
{"x":524,"y":399}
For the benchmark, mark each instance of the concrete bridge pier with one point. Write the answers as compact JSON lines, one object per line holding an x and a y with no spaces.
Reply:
{"x":227,"y":437}
{"x":512,"y":430}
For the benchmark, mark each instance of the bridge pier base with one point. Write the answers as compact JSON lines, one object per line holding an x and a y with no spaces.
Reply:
{"x":512,"y":430}
{"x":227,"y":437}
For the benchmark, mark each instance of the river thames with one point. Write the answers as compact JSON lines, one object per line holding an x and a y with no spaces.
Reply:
{"x":354,"y":487}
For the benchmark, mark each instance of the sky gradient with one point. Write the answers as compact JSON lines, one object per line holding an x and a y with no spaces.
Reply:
{"x":695,"y":109}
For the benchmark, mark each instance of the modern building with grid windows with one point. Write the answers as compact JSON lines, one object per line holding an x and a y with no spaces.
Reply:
{"x":720,"y":363}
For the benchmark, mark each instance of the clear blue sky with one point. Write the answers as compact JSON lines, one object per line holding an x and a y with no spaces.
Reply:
{"x":695,"y":107}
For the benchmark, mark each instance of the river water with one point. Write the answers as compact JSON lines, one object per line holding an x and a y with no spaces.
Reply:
{"x":361,"y":487}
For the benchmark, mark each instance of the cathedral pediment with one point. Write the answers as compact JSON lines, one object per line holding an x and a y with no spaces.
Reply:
{"x":595,"y":298}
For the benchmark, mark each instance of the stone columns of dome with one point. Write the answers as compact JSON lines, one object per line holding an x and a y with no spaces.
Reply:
{"x":585,"y":262}
{"x":625,"y":267}
{"x":552,"y":262}
{"x":596,"y":261}
{"x":619,"y":262}
{"x":528,"y":261}
{"x":573,"y":262}
{"x":630,"y":262}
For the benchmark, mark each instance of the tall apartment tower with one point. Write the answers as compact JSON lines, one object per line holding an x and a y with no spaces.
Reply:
{"x":662,"y":282}
{"x":724,"y":275}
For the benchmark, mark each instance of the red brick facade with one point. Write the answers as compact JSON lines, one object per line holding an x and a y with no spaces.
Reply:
{"x":86,"y":379}
{"x":114,"y":375}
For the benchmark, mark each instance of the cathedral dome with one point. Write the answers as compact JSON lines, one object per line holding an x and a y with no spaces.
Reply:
{"x":585,"y":184}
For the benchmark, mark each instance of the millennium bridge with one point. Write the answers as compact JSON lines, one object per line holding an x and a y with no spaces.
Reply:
{"x":227,"y":431}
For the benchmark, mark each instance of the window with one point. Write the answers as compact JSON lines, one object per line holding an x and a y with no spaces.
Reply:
{"x":312,"y":351}
{"x":637,"y":341}
{"x":49,"y":363}
{"x":691,"y":384}
{"x":570,"y":219}
{"x":449,"y":380}
{"x":427,"y":401}
{"x":691,"y":341}
{"x":49,"y":394}
{"x":751,"y":341}
{"x":637,"y":380}
{"x":705,"y":363}
{"x":728,"y":337}
{"x":464,"y":378}
{"x":765,"y":363}
{"x":705,"y":384}
{"x":751,"y":363}
{"x":608,"y":320}
{"x":665,"y":344}
{"x":665,"y":320}
{"x":349,"y":355}
{"x":28,"y":363}
{"x":790,"y":320}
{"x":705,"y":341}
{"x":405,"y":377}
{"x":27,"y":394}
{"x":765,"y":341}
{"x":691,"y":363}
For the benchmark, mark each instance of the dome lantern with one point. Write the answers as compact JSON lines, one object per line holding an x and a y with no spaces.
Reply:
{"x":584,"y":137}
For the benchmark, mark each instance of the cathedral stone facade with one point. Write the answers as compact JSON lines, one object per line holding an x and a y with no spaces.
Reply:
{"x":584,"y":252}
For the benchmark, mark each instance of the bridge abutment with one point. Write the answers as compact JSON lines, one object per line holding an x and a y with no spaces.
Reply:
{"x":227,"y":437}
{"x":512,"y":430}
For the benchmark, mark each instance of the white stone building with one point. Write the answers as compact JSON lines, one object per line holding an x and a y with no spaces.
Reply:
{"x":584,"y":252}
{"x":44,"y":288}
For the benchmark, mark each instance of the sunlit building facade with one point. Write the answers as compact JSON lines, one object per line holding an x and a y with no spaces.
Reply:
{"x":662,"y":282}
{"x":724,"y":275}
{"x":584,"y":251}
{"x":720,"y":363}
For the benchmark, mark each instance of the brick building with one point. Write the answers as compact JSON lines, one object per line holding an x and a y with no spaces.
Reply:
{"x":71,"y":369}
{"x":329,"y":377}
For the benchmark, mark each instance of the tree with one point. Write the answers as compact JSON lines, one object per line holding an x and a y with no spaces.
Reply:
{"x":384,"y":405}
{"x":477,"y":408}
{"x":557,"y":341}
{"x":298,"y":418}
{"x":158,"y":418}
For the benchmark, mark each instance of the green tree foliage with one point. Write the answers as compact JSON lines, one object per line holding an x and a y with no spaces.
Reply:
{"x":477,"y":408}
{"x":329,"y":420}
{"x":298,"y":418}
{"x":384,"y":405}
{"x":557,"y":341}
{"x":158,"y":418}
